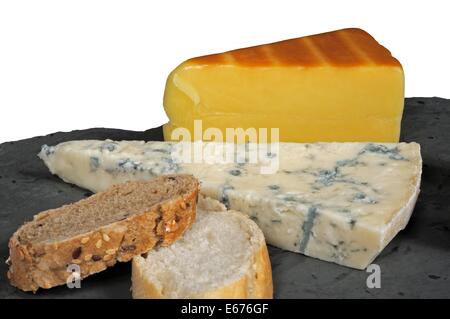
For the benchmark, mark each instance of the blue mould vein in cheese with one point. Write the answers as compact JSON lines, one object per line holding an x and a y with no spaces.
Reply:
{"x":339,"y":202}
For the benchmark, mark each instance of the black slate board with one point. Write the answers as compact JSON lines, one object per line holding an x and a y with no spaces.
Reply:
{"x":416,"y":264}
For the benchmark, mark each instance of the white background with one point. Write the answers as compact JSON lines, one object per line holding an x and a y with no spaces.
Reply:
{"x":68,"y":65}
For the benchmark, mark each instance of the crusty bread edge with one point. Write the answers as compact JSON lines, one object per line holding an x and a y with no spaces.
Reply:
{"x":44,"y":265}
{"x":256,"y":283}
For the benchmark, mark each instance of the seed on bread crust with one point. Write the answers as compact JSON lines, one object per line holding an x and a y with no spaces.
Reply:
{"x":106,"y":237}
{"x":96,"y":257}
{"x":128,"y":247}
{"x":171,"y":227}
{"x":84,"y":240}
{"x":107,"y":257}
{"x":47,"y":285}
{"x":98,"y":244}
{"x":87,"y":257}
{"x":76,"y":253}
{"x":111,"y":251}
{"x":76,"y":261}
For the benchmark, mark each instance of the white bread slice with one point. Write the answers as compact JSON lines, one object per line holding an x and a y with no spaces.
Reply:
{"x":223,"y":255}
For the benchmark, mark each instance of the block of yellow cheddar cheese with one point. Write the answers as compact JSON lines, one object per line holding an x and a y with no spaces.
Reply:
{"x":336,"y":86}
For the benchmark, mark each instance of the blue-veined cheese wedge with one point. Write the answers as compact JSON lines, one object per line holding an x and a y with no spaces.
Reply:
{"x":339,"y":202}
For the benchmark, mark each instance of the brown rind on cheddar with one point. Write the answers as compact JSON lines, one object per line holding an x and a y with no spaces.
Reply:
{"x":342,"y":48}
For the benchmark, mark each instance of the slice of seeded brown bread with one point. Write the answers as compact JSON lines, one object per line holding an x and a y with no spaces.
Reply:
{"x":122,"y":222}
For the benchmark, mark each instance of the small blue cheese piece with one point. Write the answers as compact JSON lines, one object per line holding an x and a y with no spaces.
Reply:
{"x":339,"y":202}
